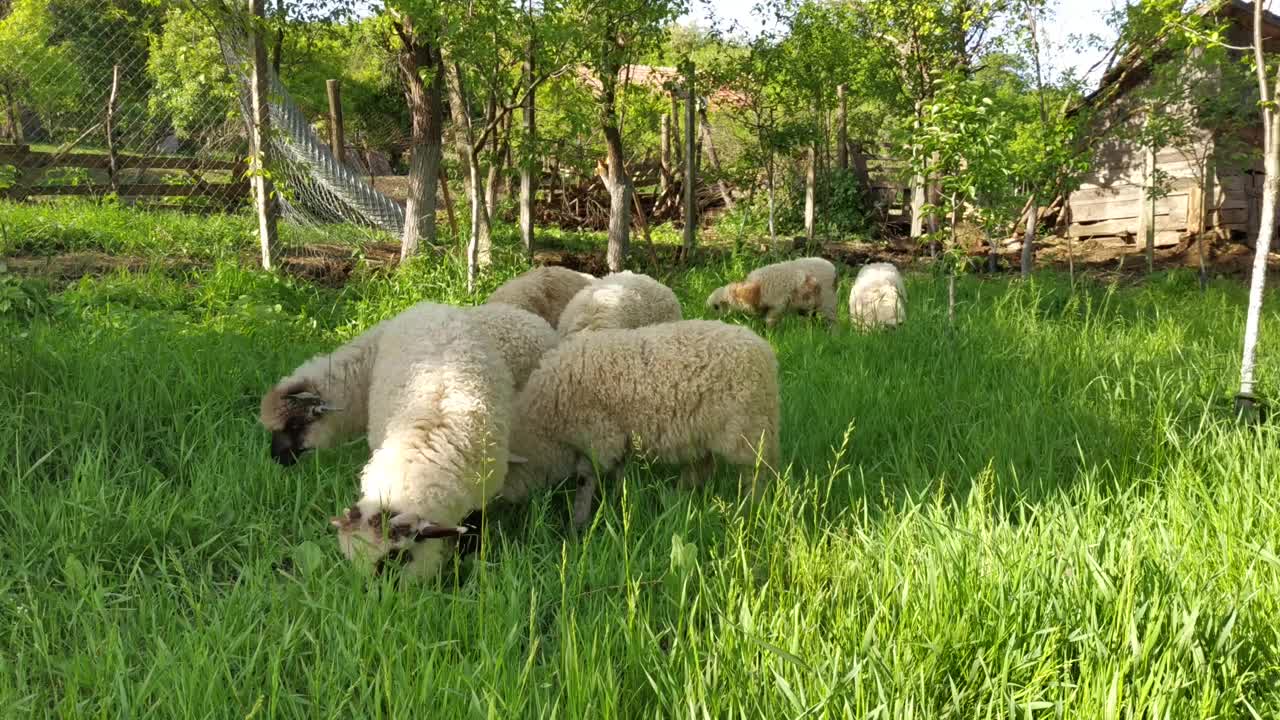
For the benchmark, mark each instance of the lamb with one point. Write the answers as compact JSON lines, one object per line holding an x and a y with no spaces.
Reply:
{"x":686,"y":391}
{"x":804,"y":285}
{"x":440,"y":401}
{"x":543,"y":291}
{"x":620,"y":301}
{"x":324,"y":401}
{"x":878,"y":297}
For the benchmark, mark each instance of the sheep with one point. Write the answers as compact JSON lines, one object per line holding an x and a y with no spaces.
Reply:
{"x":440,"y":399}
{"x":619,"y":301}
{"x":804,"y":285}
{"x":543,"y":291}
{"x":324,"y":401}
{"x":685,"y":391}
{"x":878,"y":297}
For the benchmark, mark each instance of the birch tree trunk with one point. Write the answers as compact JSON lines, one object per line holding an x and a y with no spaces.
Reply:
{"x":664,"y":154}
{"x":811,"y":193}
{"x":1245,"y":400}
{"x":842,"y":129}
{"x":479,"y":231}
{"x":616,"y":180}
{"x":528,"y":176}
{"x":773,"y":234}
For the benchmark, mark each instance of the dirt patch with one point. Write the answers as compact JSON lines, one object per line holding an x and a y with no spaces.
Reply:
{"x":69,"y":267}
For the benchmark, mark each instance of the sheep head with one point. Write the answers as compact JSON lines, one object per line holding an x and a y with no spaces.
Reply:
{"x":288,"y":411}
{"x":368,"y":532}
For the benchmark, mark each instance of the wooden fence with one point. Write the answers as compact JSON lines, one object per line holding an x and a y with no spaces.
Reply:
{"x":105,"y":175}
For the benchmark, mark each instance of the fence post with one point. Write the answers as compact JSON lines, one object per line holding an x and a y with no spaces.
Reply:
{"x":690,"y":163}
{"x":264,"y":193}
{"x":337,"y":134}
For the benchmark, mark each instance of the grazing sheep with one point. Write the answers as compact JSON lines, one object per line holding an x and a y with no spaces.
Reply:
{"x":324,"y":401}
{"x":803,"y":285}
{"x":619,"y":301}
{"x":878,"y":297}
{"x":685,"y":391}
{"x":440,"y":401}
{"x":543,"y":291}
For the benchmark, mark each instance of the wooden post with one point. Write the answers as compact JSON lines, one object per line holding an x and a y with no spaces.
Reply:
{"x":664,"y":153}
{"x":842,"y":130}
{"x":264,"y":192}
{"x":337,"y":133}
{"x":690,"y":163}
{"x":112,"y":165}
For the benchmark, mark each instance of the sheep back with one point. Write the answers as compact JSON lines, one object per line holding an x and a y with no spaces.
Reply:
{"x":519,"y":336}
{"x":543,"y":291}
{"x":623,"y":300}
{"x":878,"y":297}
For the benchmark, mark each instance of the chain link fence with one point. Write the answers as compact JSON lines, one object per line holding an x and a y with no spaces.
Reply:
{"x":147,"y":103}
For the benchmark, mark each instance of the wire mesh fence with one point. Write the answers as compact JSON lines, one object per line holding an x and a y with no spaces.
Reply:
{"x":148,"y":103}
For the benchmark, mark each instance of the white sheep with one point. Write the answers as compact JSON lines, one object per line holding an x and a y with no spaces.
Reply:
{"x":804,"y":285}
{"x":619,"y":301}
{"x":684,"y":391}
{"x":440,"y":400}
{"x":325,"y":401}
{"x":878,"y":297}
{"x":543,"y":291}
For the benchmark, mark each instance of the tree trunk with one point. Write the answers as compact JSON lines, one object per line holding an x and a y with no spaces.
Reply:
{"x":277,"y":50}
{"x":858,"y":164}
{"x":773,"y":235}
{"x":1029,"y":238}
{"x":616,"y":181}
{"x":528,"y":173}
{"x":479,"y":231}
{"x":264,"y":190}
{"x":619,"y":202}
{"x":710,"y":146}
{"x":917,"y":181}
{"x":495,"y":159}
{"x":842,"y":130}
{"x":664,"y":153}
{"x":690,"y":162}
{"x":426,"y":142}
{"x":676,"y":155}
{"x":811,"y":193}
{"x":951,"y":265}
{"x":473,"y":240}
{"x":1266,"y":228}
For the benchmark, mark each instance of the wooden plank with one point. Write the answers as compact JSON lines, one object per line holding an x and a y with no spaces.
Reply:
{"x":217,"y":190}
{"x":1126,"y":208}
{"x":1125,"y":226}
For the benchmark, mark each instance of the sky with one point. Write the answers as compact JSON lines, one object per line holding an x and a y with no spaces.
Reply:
{"x":1069,"y":18}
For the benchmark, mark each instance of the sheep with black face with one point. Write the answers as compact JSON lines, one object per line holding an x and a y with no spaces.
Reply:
{"x":325,"y":401}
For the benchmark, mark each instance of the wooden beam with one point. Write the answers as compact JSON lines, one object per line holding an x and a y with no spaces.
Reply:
{"x":690,"y":162}
{"x":142,"y":190}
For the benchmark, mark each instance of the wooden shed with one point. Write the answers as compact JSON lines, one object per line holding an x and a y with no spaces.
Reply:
{"x":1208,"y":182}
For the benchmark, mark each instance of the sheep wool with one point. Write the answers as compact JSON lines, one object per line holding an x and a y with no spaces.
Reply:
{"x":685,"y":391}
{"x":519,"y":336}
{"x":325,"y":401}
{"x":619,"y":301}
{"x":878,"y":297}
{"x":440,"y":401}
{"x":804,"y":285}
{"x":543,"y":291}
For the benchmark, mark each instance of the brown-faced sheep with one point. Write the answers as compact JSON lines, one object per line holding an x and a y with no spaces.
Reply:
{"x":803,"y":285}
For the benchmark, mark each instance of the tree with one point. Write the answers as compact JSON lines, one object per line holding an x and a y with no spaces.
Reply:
{"x":419,"y":52}
{"x":612,"y":36}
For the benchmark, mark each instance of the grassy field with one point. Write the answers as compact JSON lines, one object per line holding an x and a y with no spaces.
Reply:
{"x":1045,"y":512}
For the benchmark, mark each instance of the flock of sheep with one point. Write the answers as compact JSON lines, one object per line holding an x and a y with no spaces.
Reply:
{"x":559,"y":374}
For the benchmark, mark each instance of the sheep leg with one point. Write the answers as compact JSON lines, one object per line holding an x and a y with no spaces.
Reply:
{"x":772,"y":315}
{"x":584,"y":501}
{"x":695,"y":473}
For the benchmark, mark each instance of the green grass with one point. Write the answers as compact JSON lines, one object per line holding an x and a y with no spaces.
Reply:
{"x":1046,"y":512}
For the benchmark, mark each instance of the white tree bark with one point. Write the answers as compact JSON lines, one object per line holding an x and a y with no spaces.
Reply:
{"x":1267,"y":226}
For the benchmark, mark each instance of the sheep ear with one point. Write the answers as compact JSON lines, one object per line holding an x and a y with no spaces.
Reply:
{"x":410,"y":526}
{"x":403,"y":525}
{"x":513,"y":459}
{"x":305,"y":396}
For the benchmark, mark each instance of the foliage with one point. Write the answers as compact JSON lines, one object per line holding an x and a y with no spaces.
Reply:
{"x":193,"y":89}
{"x":40,"y":70}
